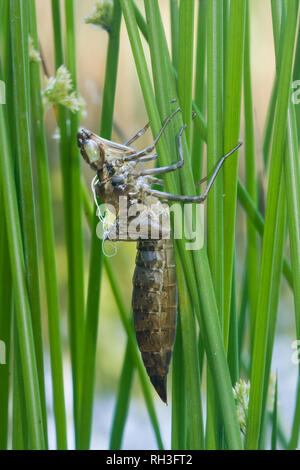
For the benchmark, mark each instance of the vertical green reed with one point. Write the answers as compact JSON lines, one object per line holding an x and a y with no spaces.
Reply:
{"x":215,"y":145}
{"x":48,"y":242}
{"x":174,"y":14}
{"x":179,"y":398}
{"x":76,"y":279}
{"x":200,"y":87}
{"x":232,"y":111}
{"x":250,"y":171}
{"x":5,"y":330}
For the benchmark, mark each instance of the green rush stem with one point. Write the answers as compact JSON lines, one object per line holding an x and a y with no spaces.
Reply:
{"x":63,"y":142}
{"x":278,"y":17}
{"x":199,"y":90}
{"x":76,"y":312}
{"x":268,"y":250}
{"x":202,"y":282}
{"x":20,"y":62}
{"x":269,"y":125}
{"x":179,"y":403}
{"x":48,"y":242}
{"x":215,"y":248}
{"x":232,"y":111}
{"x":296,"y":78}
{"x":274,"y":418}
{"x":185,"y":63}
{"x":258,"y":221}
{"x":20,"y":435}
{"x":191,"y":367}
{"x":296,"y":420}
{"x":4,"y":38}
{"x":63,"y":146}
{"x":252,"y":239}
{"x":243,"y":311}
{"x":5,"y":330}
{"x":233,"y":349}
{"x":174,"y":13}
{"x":280,"y":242}
{"x":140,"y":21}
{"x":23,"y":315}
{"x":123,"y":400}
{"x":292,"y":184}
{"x":292,"y":191}
{"x":94,"y":284}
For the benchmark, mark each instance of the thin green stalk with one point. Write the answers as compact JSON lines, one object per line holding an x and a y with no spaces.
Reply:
{"x":292,"y":185}
{"x":174,"y":13}
{"x":215,"y":249}
{"x":264,"y":299}
{"x":123,"y":400}
{"x":191,"y":367}
{"x":243,"y":311}
{"x":4,"y":38}
{"x":252,"y":240}
{"x":76,"y":314}
{"x":141,"y":21}
{"x":233,"y":349}
{"x":20,"y":437}
{"x":274,"y":418}
{"x":278,"y":17}
{"x":185,"y":63}
{"x":20,"y":62}
{"x":280,"y":243}
{"x":93,"y":299}
{"x":179,"y":425}
{"x":5,"y":331}
{"x":269,"y":125}
{"x":296,"y":420}
{"x":259,"y":223}
{"x":64,"y":139}
{"x":48,"y":242}
{"x":296,"y":76}
{"x":232,"y":111}
{"x":199,"y":91}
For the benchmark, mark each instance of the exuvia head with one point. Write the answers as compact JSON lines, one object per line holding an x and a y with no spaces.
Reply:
{"x":91,"y":148}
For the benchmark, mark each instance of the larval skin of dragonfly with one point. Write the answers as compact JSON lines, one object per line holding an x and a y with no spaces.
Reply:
{"x":154,"y":298}
{"x":154,"y":303}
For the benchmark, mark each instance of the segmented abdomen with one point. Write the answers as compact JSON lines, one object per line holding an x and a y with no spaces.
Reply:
{"x":154,"y":303}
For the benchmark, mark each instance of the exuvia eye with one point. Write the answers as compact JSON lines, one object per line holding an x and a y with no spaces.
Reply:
{"x":92,"y":150}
